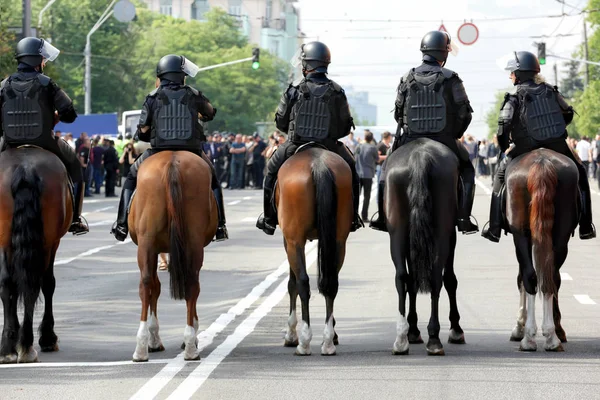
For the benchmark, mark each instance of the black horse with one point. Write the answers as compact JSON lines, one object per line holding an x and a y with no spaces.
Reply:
{"x":420,"y":208}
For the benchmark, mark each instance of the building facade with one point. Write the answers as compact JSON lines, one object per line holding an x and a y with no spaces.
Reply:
{"x":272,"y":25}
{"x":364,"y":113}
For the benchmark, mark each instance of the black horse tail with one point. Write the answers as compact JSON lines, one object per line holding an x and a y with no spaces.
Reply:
{"x":180,"y":268}
{"x":541,"y":184}
{"x":420,"y":221}
{"x":27,"y":233}
{"x":326,"y":212}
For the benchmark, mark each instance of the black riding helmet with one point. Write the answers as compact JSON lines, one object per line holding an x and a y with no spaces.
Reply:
{"x":175,"y":68}
{"x":315,"y":56}
{"x":32,"y":51}
{"x":436,"y":45}
{"x":525,"y":65}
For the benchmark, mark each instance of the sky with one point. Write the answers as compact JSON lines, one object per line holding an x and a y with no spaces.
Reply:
{"x":371,"y":53}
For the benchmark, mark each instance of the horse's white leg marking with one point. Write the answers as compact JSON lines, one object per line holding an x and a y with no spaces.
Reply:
{"x":303,"y":347}
{"x":548,"y":328}
{"x":141,"y":349}
{"x":291,"y":336}
{"x":401,"y":343}
{"x":154,"y":341}
{"x":189,"y":338}
{"x":196,"y":325}
{"x":29,"y":355}
{"x":328,"y":348}
{"x":528,"y":343}
{"x":518,"y":331}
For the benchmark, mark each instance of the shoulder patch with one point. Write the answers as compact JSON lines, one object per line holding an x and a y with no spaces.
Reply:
{"x":44,"y":80}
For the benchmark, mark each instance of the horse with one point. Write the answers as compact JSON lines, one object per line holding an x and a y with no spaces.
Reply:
{"x":173,"y":211}
{"x":36,"y":209}
{"x":313,"y":196}
{"x":537,"y":184}
{"x":420,"y":206}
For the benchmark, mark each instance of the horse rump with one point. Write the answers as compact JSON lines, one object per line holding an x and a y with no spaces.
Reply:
{"x":27,"y":233}
{"x":326,"y":215}
{"x":542,"y":180}
{"x":180,"y":267}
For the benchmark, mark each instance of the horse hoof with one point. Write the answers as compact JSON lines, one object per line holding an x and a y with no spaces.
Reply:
{"x":328,"y":350}
{"x":515,"y":338}
{"x":400,"y":353}
{"x":288,"y":343}
{"x":49,"y":348}
{"x":415,"y":339}
{"x":435,"y":352}
{"x":302,"y":351}
{"x":456,"y":337}
{"x":193,"y":357}
{"x":134,"y":359}
{"x":557,"y":349}
{"x":182,"y":346}
{"x":156,"y":349}
{"x":336,"y":340}
{"x":528,"y":346}
{"x":8,"y":359}
{"x":561,"y":335}
{"x":30,"y":356}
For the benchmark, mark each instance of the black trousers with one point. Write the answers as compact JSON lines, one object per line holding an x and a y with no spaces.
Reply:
{"x":365,"y":185}
{"x":111,"y":180}
{"x":559,"y":146}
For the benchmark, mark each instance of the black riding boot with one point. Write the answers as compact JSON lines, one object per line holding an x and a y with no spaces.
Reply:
{"x":586,"y":227}
{"x":464,"y":223}
{"x":221,"y":228}
{"x":268,"y":221}
{"x":78,"y":227}
{"x":379,"y":224}
{"x":357,"y":222}
{"x":493,"y":230}
{"x":119,"y":228}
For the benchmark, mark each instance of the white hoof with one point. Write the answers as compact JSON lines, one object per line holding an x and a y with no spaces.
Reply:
{"x":553,"y":343}
{"x":141,"y":348}
{"x":528,"y":344}
{"x":8,"y":359}
{"x":328,"y":349}
{"x":456,"y":337}
{"x":303,"y":348}
{"x":29,"y":356}
{"x":191,"y":349}
{"x":401,"y":345}
{"x":154,"y":342}
{"x":291,"y":337}
{"x":518,"y":333}
{"x":140,"y":355}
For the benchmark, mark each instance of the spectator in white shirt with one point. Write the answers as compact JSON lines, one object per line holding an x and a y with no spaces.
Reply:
{"x":583,"y":149}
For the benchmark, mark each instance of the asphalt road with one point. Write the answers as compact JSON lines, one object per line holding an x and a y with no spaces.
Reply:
{"x":243,"y":312}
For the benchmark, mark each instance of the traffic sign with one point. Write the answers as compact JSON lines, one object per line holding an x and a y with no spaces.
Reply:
{"x":468,"y":33}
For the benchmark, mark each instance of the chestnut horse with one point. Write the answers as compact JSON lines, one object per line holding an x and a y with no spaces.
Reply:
{"x":538,"y":183}
{"x":173,"y":211}
{"x":314,"y":201}
{"x":420,"y":208}
{"x":36,"y":209}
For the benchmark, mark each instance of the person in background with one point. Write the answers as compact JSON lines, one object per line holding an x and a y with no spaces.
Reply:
{"x":382,"y":149}
{"x":350,"y":142}
{"x":367,"y":157}
{"x":97,"y":164}
{"x":583,"y":151}
{"x":79,"y":140}
{"x":127,"y":158}
{"x":111,"y":166}
{"x":84,"y":159}
{"x":493,"y":158}
{"x":258,"y":150}
{"x":238,"y":158}
{"x":69,"y":139}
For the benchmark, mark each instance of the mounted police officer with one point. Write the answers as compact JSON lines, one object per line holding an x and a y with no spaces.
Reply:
{"x":31,"y":104}
{"x":536,"y":116}
{"x":315,"y":109}
{"x":170,"y":106}
{"x":432,"y":103}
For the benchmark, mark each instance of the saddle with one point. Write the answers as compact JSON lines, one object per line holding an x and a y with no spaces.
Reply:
{"x":310,"y":145}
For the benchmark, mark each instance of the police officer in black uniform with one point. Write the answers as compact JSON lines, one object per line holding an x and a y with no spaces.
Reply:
{"x":521,"y":123}
{"x":169,"y":121}
{"x":315,"y":110}
{"x":432,"y":103}
{"x":31,"y":104}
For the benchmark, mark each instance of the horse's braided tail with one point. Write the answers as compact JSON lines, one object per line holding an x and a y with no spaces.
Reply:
{"x":422,"y":254}
{"x":180,"y":268}
{"x":541,"y":184}
{"x":27,"y":233}
{"x":326,"y":212}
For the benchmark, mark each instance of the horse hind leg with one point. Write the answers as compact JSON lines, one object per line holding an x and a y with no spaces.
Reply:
{"x":456,"y":335}
{"x":147,"y":259}
{"x":329,"y":335}
{"x":291,"y":336}
{"x":560,"y":257}
{"x":154,"y":343}
{"x":26,"y":352}
{"x":518,"y":332}
{"x":191,"y":351}
{"x":48,"y":340}
{"x":398,"y":251}
{"x":297,"y":261}
{"x":548,"y":330}
{"x":8,"y":293}
{"x":528,"y":342}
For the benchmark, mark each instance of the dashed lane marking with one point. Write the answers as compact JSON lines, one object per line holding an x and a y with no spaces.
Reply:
{"x":98,"y":210}
{"x":565,"y":277}
{"x":89,"y":252}
{"x":584,"y":299}
{"x":483,"y":186}
{"x":233,"y":203}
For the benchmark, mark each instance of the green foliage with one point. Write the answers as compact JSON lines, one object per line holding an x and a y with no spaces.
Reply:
{"x":492,"y":115}
{"x":124,"y":57}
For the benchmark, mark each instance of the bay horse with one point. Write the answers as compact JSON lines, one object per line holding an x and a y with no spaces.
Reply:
{"x":173,"y":211}
{"x":538,"y":184}
{"x":420,"y":205}
{"x":313,"y":196}
{"x":36,"y":209}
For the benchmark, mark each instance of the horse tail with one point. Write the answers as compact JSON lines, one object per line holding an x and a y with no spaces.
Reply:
{"x":420,"y":221}
{"x":27,"y":233}
{"x":326,"y":213}
{"x":541,"y":184}
{"x":180,"y":269}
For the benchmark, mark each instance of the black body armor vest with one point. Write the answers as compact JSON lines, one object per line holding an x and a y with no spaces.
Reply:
{"x":174,"y":120}
{"x":314,"y":113}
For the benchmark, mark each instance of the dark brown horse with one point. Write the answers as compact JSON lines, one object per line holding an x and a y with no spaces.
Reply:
{"x":35,"y":213}
{"x":173,"y":211}
{"x":314,"y":201}
{"x":420,"y":208}
{"x":538,"y":183}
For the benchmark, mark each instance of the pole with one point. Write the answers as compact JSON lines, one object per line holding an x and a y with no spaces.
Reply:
{"x":574,"y":59}
{"x":26,"y":18}
{"x":43,"y":11}
{"x":585,"y":53}
{"x":225,"y":64}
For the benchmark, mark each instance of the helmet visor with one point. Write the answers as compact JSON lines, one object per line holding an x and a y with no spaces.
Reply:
{"x":49,"y":52}
{"x":189,"y":67}
{"x":512,"y":64}
{"x":296,"y":60}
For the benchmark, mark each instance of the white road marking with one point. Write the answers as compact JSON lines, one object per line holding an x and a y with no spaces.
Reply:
{"x":98,"y":210}
{"x":99,"y":201}
{"x":233,"y":203}
{"x":79,"y":364}
{"x":201,"y":373}
{"x":89,"y":252}
{"x":247,"y":198}
{"x":205,"y":338}
{"x":584,"y":299}
{"x":99,"y":223}
{"x":565,"y":277}
{"x":483,"y":186}
{"x":249,"y":219}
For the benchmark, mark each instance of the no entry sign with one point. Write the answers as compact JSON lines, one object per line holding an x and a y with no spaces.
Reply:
{"x":468,"y":33}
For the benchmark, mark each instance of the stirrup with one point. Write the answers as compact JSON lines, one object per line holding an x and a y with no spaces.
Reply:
{"x":588,"y":235}
{"x":376,"y":224}
{"x":221,"y":234}
{"x":471,"y":228}
{"x":79,"y":227}
{"x":486,"y":233}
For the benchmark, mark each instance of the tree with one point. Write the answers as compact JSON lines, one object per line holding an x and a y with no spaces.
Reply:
{"x":492,"y":115}
{"x":572,"y":84}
